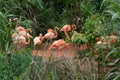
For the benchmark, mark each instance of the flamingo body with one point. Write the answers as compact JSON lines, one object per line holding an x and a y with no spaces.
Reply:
{"x":22,"y":41}
{"x":49,"y":35}
{"x":66,"y":27}
{"x":59,"y":44}
{"x":20,"y":29}
{"x":19,"y":40}
{"x":20,"y":35}
{"x":25,"y":34}
{"x":38,"y":39}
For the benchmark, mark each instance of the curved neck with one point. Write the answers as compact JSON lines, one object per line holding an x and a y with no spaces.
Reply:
{"x":10,"y":27}
{"x":41,"y":38}
{"x":73,"y":27}
{"x":26,"y":36}
{"x":16,"y":23}
{"x":56,"y":34}
{"x":27,"y":42}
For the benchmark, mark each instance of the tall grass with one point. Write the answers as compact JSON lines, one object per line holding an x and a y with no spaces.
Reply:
{"x":13,"y":65}
{"x":4,"y":30}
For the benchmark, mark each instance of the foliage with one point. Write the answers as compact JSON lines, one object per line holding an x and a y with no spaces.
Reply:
{"x":92,"y":28}
{"x":56,"y":69}
{"x":79,"y":38}
{"x":4,"y":30}
{"x":13,"y":65}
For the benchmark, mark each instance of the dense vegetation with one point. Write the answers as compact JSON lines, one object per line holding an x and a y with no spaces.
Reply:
{"x":93,"y":18}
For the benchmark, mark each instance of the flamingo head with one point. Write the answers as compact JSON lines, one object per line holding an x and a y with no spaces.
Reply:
{"x":56,"y":28}
{"x":15,"y":19}
{"x":40,"y":35}
{"x":10,"y":19}
{"x":73,"y":27}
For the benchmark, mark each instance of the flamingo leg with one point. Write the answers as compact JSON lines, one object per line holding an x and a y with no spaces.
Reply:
{"x":66,"y":35}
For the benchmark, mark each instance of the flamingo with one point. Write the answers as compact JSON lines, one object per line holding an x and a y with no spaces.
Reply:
{"x":51,"y":33}
{"x":21,"y":30}
{"x":58,"y":44}
{"x":25,"y":33}
{"x":73,"y":27}
{"x":16,"y":19}
{"x":112,"y":39}
{"x":18,"y":28}
{"x":20,"y":41}
{"x":38,"y":39}
{"x":20,"y":35}
{"x":66,"y":28}
{"x":17,"y":38}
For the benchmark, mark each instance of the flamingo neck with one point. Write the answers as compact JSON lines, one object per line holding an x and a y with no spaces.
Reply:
{"x":56,"y":34}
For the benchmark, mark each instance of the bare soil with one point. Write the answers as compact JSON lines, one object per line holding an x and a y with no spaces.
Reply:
{"x":42,"y":50}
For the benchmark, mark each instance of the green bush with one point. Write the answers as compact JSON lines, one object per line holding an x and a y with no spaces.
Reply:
{"x":13,"y":65}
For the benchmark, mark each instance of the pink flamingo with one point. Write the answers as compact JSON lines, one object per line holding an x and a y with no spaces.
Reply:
{"x":58,"y":45}
{"x":20,"y":35}
{"x":66,"y":28}
{"x":38,"y":39}
{"x":51,"y":33}
{"x":21,"y":30}
{"x":20,"y":41}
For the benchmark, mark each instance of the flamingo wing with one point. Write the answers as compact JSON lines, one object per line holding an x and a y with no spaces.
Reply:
{"x":25,"y":34}
{"x":57,"y":44}
{"x":22,"y":33}
{"x":49,"y":35}
{"x":66,"y":28}
{"x":20,"y":29}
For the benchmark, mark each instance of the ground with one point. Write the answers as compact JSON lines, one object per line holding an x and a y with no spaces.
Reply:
{"x":42,"y":50}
